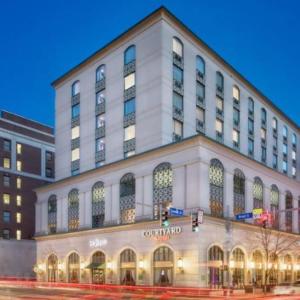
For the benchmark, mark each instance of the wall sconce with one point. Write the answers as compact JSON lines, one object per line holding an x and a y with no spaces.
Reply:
{"x":180,"y":264}
{"x":109,"y":265}
{"x":250,"y":265}
{"x":260,"y":265}
{"x":61,"y":266}
{"x":141,"y":264}
{"x":231,"y":264}
{"x":270,"y":266}
{"x":297,"y":267}
{"x":82,"y":266}
{"x":283,"y":266}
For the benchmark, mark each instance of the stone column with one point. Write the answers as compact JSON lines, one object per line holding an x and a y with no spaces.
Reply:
{"x":249,"y":197}
{"x":81,"y":210}
{"x":295,"y":215}
{"x":64,"y":215}
{"x":43,"y":162}
{"x":192,"y":185}
{"x":203,"y":182}
{"x":108,"y":204}
{"x":116,"y":202}
{"x":228,"y":194}
{"x":44,"y":216}
{"x":267,"y":198}
{"x":139,"y":197}
{"x":88,"y":209}
{"x":59,"y":214}
{"x":148,"y":196}
{"x":281,"y":214}
{"x":38,"y":217}
{"x":178,"y":186}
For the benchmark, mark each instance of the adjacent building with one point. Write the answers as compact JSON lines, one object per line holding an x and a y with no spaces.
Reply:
{"x":157,"y":119}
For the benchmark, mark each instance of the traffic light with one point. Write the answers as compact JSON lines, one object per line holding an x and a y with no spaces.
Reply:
{"x":164,"y":218}
{"x":195,"y":222}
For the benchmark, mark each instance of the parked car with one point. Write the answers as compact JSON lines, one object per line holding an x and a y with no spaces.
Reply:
{"x":287,"y":288}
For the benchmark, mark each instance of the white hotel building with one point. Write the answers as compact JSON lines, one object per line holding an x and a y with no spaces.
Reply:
{"x":157,"y":117}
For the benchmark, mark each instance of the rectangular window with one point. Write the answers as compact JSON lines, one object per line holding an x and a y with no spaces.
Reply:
{"x":100,"y":145}
{"x":6,"y":180}
{"x":200,"y":90}
{"x":263,"y":134}
{"x":177,"y":128}
{"x":18,"y":234}
{"x":19,"y":165}
{"x":6,"y":234}
{"x":294,"y":173}
{"x":49,"y":172}
{"x":19,"y":183}
{"x":251,"y":106}
{"x":129,"y":81}
{"x":275,"y":141}
{"x":100,"y":120}
{"x":284,"y":149}
{"x":75,"y":111}
{"x":235,"y":137}
{"x":49,"y":156}
{"x":284,"y":166}
{"x":294,"y":139}
{"x":100,"y":98}
{"x":75,"y":132}
{"x":219,"y":126}
{"x":178,"y":101}
{"x":177,"y":74}
{"x":220,"y":104}
{"x":19,"y":200}
{"x":250,"y":126}
{"x":7,"y":145}
{"x":6,"y":163}
{"x":6,"y":199}
{"x":275,"y":161}
{"x":6,"y":216}
{"x":128,"y":154}
{"x":129,"y":107}
{"x":274,"y":124}
{"x":200,"y":114}
{"x":263,"y":154}
{"x":236,"y":93}
{"x":236,"y":117}
{"x":18,"y":217}
{"x":129,"y":132}
{"x":293,"y":155}
{"x":250,"y":147}
{"x":75,"y":154}
{"x":19,"y":148}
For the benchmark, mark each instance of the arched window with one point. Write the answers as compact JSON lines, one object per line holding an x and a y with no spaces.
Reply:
{"x":128,"y":267}
{"x":52,"y":210}
{"x":219,"y":82}
{"x":274,"y":205}
{"x":52,"y":268}
{"x":127,"y":198}
{"x":177,"y":47}
{"x":98,"y":205}
{"x":163,"y":265}
{"x":258,"y":190}
{"x":274,"y":124}
{"x":238,"y":192}
{"x":98,"y":268}
{"x":237,"y":267}
{"x":73,"y":268}
{"x":129,"y":55}
{"x":100,"y":73}
{"x":273,"y":262}
{"x":298,"y":268}
{"x":162,"y":187}
{"x":215,"y":265}
{"x":289,"y":214}
{"x":75,"y":88}
{"x":200,"y":66}
{"x":263,"y":116}
{"x":258,"y":268}
{"x":216,"y":184}
{"x":73,"y":210}
{"x":288,"y":267}
{"x":236,"y":93}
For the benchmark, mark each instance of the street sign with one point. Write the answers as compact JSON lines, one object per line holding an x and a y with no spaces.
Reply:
{"x":257,"y":211}
{"x":200,"y":216}
{"x":244,"y":216}
{"x":176,"y":211}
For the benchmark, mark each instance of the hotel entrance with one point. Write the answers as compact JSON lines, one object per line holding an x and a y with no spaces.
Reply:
{"x":74,"y":268}
{"x":52,"y":268}
{"x":128,"y":267}
{"x":97,"y":267}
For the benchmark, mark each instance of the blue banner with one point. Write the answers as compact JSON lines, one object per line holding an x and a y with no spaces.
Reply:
{"x":244,"y":216}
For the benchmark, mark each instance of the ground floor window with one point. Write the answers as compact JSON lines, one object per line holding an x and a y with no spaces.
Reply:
{"x":215,"y":267}
{"x":97,"y":268}
{"x":237,"y":268}
{"x":128,"y":267}
{"x":287,"y":273}
{"x":163,"y":266}
{"x":298,"y":268}
{"x":257,"y":276}
{"x":52,"y":268}
{"x":74,"y":268}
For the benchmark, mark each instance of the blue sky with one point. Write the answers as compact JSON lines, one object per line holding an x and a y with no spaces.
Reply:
{"x":41,"y":40}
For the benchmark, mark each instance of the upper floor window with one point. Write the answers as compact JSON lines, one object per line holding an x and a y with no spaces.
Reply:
{"x":129,"y":132}
{"x":100,"y":73}
{"x":75,"y":110}
{"x":129,"y":81}
{"x":6,"y":145}
{"x":100,"y":120}
{"x":52,"y":210}
{"x":178,"y":101}
{"x":73,"y":210}
{"x":177,"y":74}
{"x":127,"y":198}
{"x":75,"y":132}
{"x":284,"y":131}
{"x":129,"y":106}
{"x":100,"y":97}
{"x":75,"y":88}
{"x":236,"y":93}
{"x":200,"y":66}
{"x":98,"y":205}
{"x":177,"y":47}
{"x":219,"y":82}
{"x":294,"y":139}
{"x":274,"y":124}
{"x":263,"y":116}
{"x":129,"y":55}
{"x":250,"y":106}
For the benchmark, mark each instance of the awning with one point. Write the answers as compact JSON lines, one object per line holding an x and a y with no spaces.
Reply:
{"x":95,"y":266}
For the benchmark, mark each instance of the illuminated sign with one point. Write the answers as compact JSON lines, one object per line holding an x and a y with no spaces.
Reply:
{"x":162,"y":233}
{"x":97,"y":243}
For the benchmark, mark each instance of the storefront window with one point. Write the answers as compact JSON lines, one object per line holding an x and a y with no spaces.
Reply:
{"x":298,"y":268}
{"x":127,"y":199}
{"x":237,"y":268}
{"x":163,"y":266}
{"x":215,"y":265}
{"x":257,"y":275}
{"x":52,"y":268}
{"x":73,"y":268}
{"x":128,"y":267}
{"x":238,"y":192}
{"x":273,"y":266}
{"x":97,"y":267}
{"x":98,"y":205}
{"x":287,"y":266}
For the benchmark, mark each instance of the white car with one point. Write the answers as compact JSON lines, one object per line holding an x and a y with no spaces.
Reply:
{"x":287,"y":288}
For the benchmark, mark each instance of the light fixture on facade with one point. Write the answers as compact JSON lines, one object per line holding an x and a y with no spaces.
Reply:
{"x":82,"y":266}
{"x":141,"y":264}
{"x":231,"y":264}
{"x":109,"y":265}
{"x":180,"y":263}
{"x":61,"y":266}
{"x":250,"y":265}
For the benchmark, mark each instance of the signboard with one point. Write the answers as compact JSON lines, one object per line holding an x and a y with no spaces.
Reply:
{"x":257,"y":212}
{"x":97,"y":243}
{"x":162,"y":233}
{"x":176,"y":211}
{"x":200,"y":216}
{"x":244,"y":216}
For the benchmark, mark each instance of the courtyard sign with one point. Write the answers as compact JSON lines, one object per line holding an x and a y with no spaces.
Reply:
{"x":162,"y":233}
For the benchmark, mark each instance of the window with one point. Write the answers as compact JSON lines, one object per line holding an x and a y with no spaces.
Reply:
{"x":18,"y":217}
{"x":178,"y":75}
{"x":129,"y":106}
{"x":6,"y":216}
{"x":100,"y":120}
{"x":263,"y":154}
{"x":200,"y":66}
{"x":75,"y":111}
{"x":100,"y":73}
{"x":129,"y":81}
{"x":75,"y":132}
{"x":19,"y":165}
{"x":49,"y":156}
{"x":6,"y":234}
{"x":129,"y":153}
{"x":263,"y":116}
{"x":52,"y":211}
{"x":289,"y":214}
{"x":219,"y":82}
{"x":293,"y":155}
{"x":294,"y":139}
{"x":236,"y":93}
{"x":293,"y":171}
{"x":75,"y":88}
{"x":6,"y":199}
{"x":177,"y":47}
{"x":6,"y":180}
{"x":200,"y":114}
{"x":250,"y":126}
{"x":275,"y":161}
{"x":19,"y":148}
{"x":129,"y":55}
{"x":219,"y":126}
{"x":238,"y":192}
{"x":6,"y":163}
{"x":250,"y":106}
{"x":49,"y":172}
{"x":73,"y":210}
{"x":219,"y":104}
{"x":258,"y":198}
{"x":7,"y":145}
{"x":284,"y":131}
{"x":19,"y":200}
{"x":275,"y":142}
{"x":275,"y":205}
{"x":216,"y":183}
{"x":250,"y":147}
{"x":284,"y":166}
{"x":128,"y":267}
{"x":236,"y":117}
{"x":274,"y":124}
{"x":18,"y":234}
{"x":127,"y":198}
{"x":129,"y":132}
{"x":100,"y":98}
{"x":216,"y":274}
{"x":98,"y":205}
{"x":284,"y":149}
{"x":263,"y":134}
{"x":19,"y":183}
{"x":74,"y":268}
{"x":100,"y":145}
{"x":177,"y":128}
{"x":75,"y":154}
{"x":177,"y":101}
{"x":200,"y":91}
{"x":235,"y":137}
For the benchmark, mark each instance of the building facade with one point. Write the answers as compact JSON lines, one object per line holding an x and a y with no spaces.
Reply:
{"x":153,"y":120}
